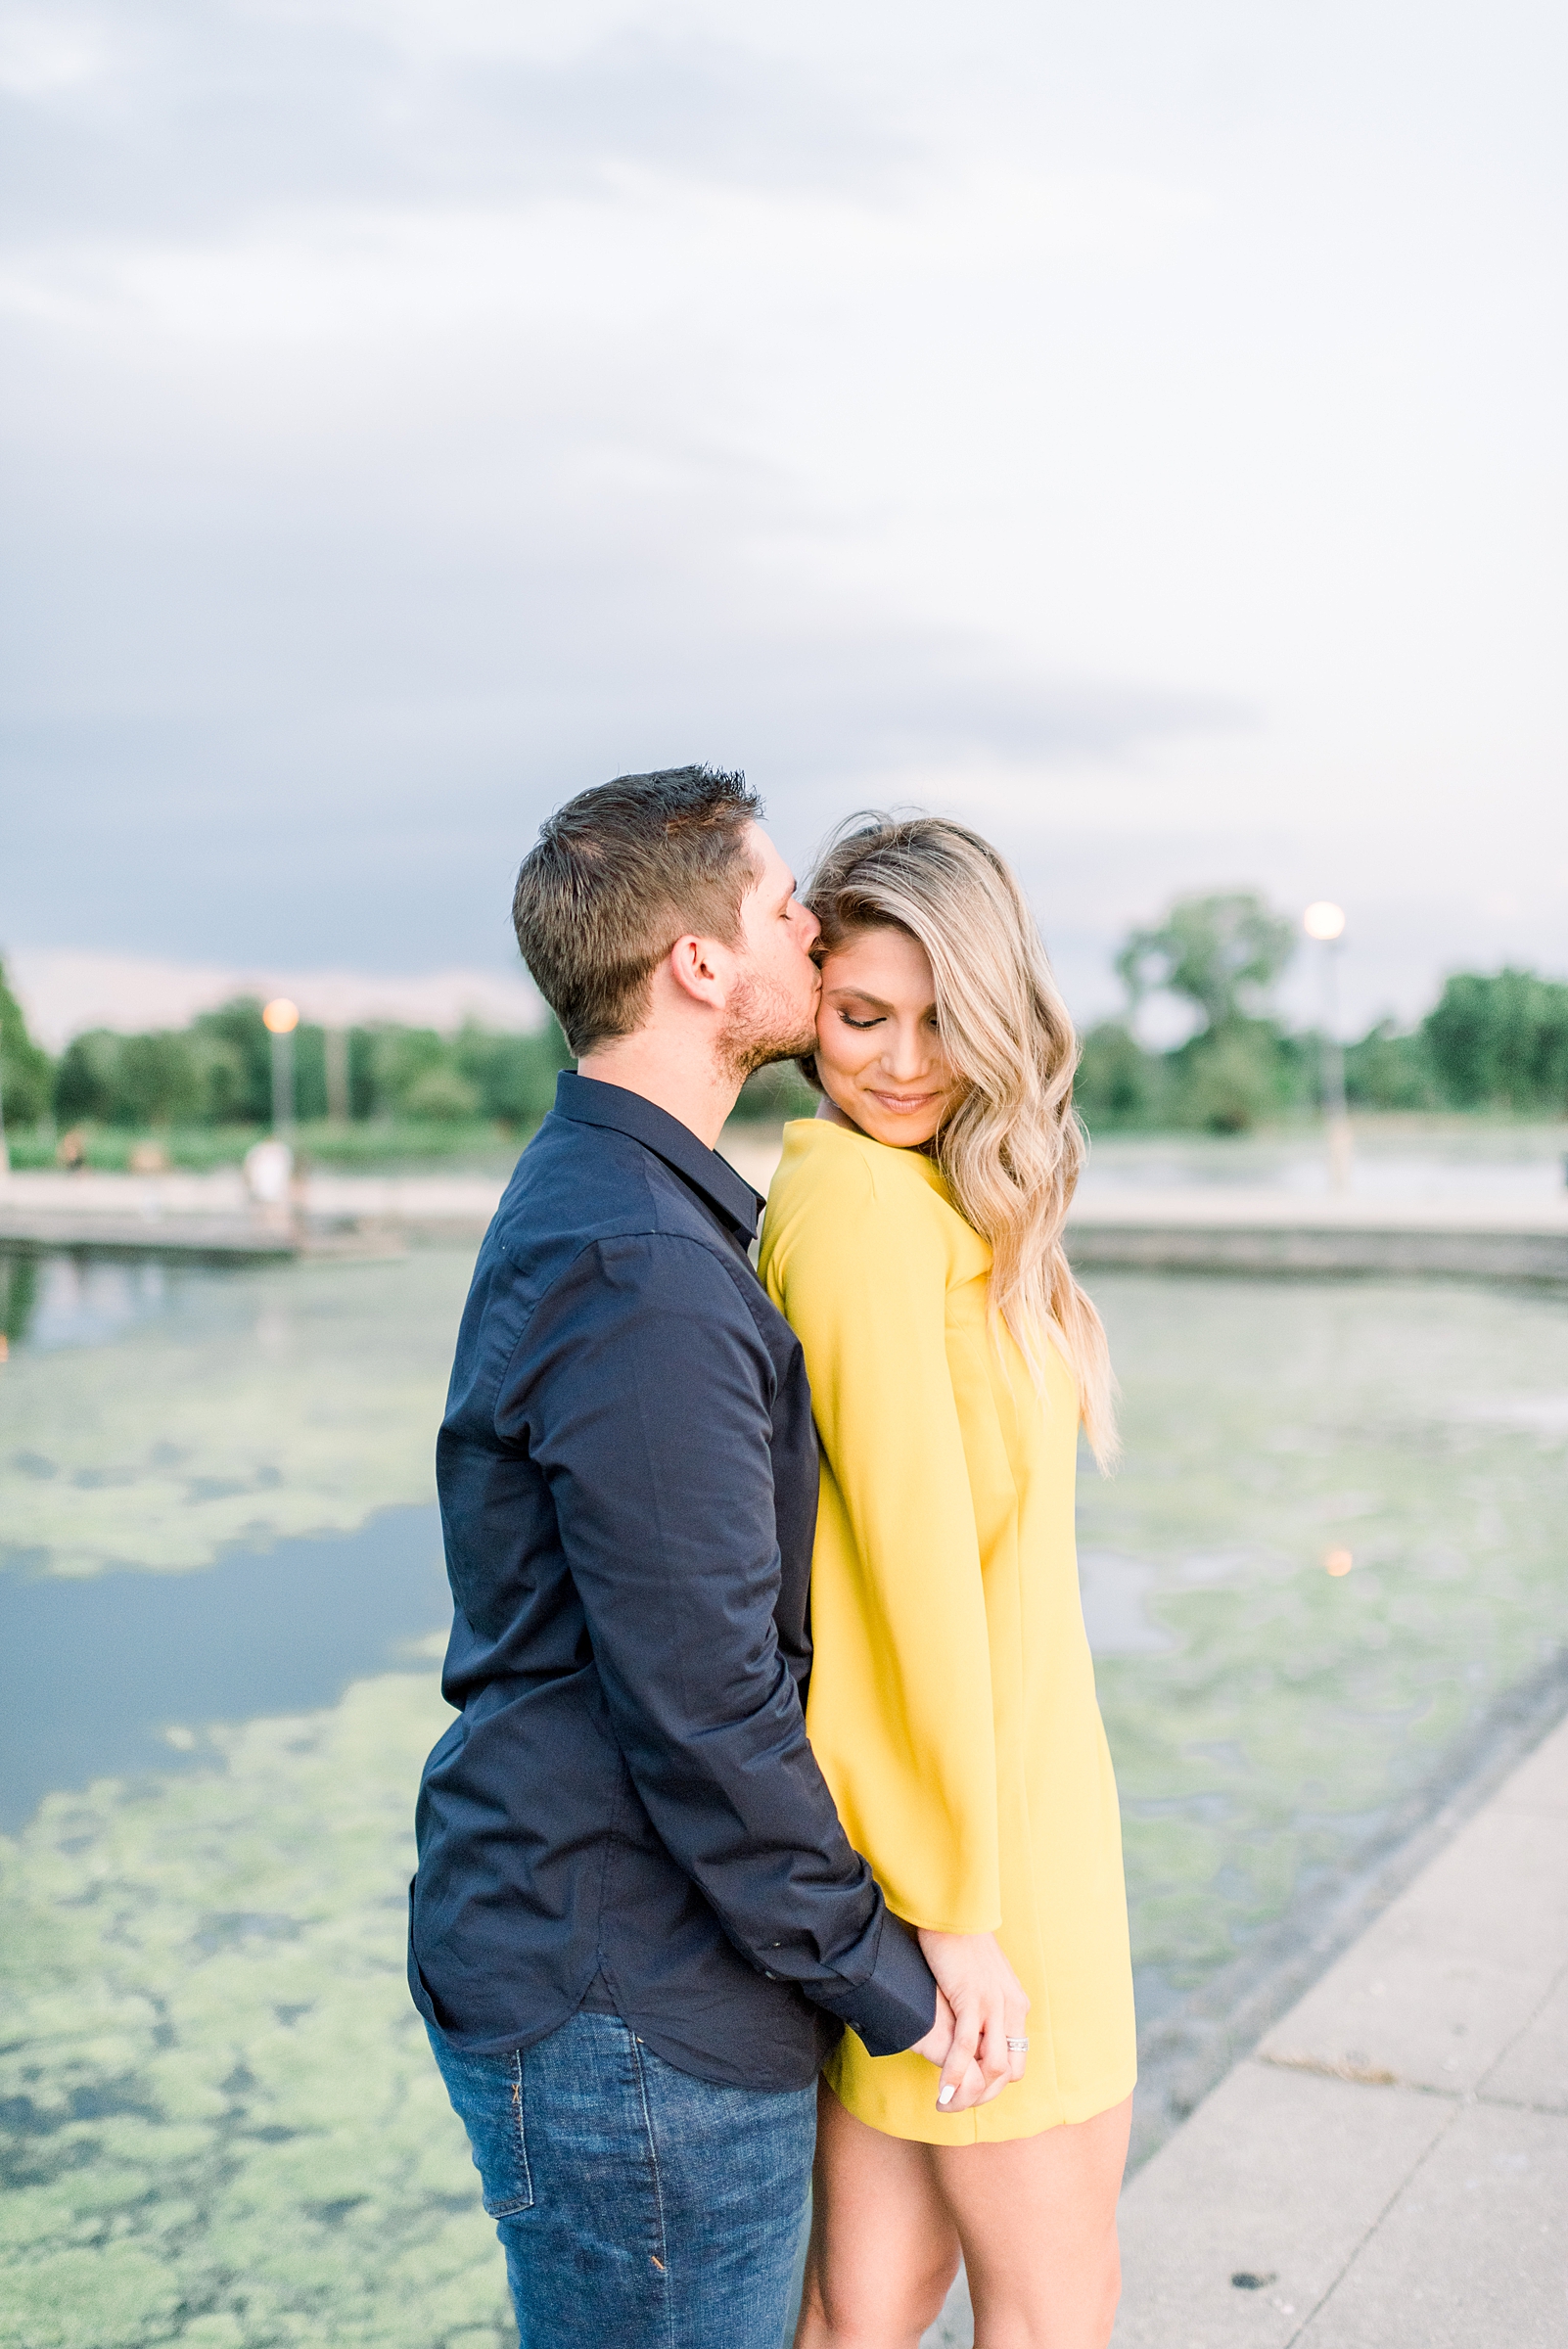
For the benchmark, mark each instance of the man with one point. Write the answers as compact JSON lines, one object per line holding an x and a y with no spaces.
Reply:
{"x":637,"y":1926}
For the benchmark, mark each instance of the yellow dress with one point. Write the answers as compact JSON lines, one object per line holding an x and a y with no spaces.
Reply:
{"x":952,"y":1705}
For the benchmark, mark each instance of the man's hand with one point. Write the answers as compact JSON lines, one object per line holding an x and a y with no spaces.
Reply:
{"x":978,"y":1990}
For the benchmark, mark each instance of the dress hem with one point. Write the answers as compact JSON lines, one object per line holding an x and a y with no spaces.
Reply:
{"x":962,"y":2129}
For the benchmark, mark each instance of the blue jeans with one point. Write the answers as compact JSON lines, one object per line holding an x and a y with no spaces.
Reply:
{"x":639,"y":2208}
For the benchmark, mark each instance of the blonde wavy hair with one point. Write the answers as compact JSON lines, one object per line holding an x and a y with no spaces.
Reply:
{"x":1012,"y":1148}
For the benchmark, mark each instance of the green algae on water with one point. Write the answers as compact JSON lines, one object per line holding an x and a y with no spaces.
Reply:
{"x":219,"y":2122}
{"x":290,"y":1399}
{"x":1425,"y":1428}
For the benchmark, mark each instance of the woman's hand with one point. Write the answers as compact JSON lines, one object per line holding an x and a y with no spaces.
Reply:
{"x":988,"y":2008}
{"x":936,"y":2048}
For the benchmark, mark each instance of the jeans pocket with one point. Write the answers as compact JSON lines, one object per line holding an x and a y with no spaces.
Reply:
{"x":486,"y":2093}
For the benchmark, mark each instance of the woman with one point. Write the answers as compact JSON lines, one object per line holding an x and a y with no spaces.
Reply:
{"x":913,"y":1239}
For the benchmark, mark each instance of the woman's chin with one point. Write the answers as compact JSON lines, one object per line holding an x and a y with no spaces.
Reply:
{"x":899,"y":1134}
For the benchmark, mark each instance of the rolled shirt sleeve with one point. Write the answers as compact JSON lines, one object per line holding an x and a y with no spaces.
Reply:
{"x":642,"y":1389}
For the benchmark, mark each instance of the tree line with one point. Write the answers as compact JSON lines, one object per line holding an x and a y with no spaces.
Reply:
{"x":1496,"y":1042}
{"x":1493,"y":1041}
{"x":218,"y":1072}
{"x":215,"y":1076}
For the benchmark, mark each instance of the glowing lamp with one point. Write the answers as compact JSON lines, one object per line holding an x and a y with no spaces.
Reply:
{"x":280,"y":1015}
{"x":1324,"y":920}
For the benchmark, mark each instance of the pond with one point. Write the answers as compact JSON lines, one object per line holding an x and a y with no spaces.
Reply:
{"x":221,"y":1609}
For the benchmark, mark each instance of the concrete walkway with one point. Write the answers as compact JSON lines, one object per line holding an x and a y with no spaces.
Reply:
{"x":1389,"y":2169}
{"x":1216,"y":1228}
{"x":1194,"y":1227}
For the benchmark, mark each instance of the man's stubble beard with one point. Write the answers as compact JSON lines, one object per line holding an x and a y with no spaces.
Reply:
{"x":764,"y":1026}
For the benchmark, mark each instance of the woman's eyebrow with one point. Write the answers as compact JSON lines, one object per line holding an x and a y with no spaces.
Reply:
{"x":857,"y":994}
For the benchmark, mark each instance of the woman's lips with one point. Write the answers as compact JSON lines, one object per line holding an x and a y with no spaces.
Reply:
{"x":904,"y":1104}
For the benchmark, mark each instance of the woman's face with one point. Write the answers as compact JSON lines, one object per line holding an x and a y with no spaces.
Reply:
{"x":878,"y":1052}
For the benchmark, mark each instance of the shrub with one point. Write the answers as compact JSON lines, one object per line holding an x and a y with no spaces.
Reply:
{"x":440,"y":1096}
{"x":1230,"y":1078}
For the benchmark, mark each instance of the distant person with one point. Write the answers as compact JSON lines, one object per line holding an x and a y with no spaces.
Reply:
{"x":914,"y":1240}
{"x":638,"y":1927}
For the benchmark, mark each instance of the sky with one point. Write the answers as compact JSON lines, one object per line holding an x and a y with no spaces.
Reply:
{"x":1133,"y":427}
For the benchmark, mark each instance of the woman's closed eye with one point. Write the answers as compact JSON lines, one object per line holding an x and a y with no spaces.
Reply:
{"x":850,"y":1020}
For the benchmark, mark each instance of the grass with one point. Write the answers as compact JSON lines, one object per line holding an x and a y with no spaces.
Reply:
{"x":384,"y":1143}
{"x":374,"y":1142}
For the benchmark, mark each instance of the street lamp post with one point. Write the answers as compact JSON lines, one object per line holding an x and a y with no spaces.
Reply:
{"x":281,"y":1018}
{"x":1326,"y":922}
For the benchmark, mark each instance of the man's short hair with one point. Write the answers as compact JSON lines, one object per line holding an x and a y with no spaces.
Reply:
{"x":619,"y":873}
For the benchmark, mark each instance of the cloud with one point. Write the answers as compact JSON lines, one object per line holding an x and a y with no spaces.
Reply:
{"x":1135,"y":430}
{"x":151,"y":121}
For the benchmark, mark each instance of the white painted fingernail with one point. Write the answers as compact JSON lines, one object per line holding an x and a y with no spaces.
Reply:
{"x":945,"y":2095}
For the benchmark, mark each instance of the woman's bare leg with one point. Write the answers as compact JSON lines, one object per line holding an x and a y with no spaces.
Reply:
{"x":1036,"y":2219}
{"x":884,"y":2250}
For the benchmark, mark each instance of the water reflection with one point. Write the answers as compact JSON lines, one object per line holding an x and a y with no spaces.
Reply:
{"x":85,"y":1300}
{"x":1417,"y":1428}
{"x":218,"y":2119}
{"x":158,"y":1417}
{"x":105,"y":1677}
{"x":19,"y":1290}
{"x":1523,"y":1166}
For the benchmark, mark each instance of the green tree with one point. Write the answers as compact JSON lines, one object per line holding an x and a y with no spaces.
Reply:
{"x":1229,"y":1077}
{"x":134,"y":1080}
{"x":26,"y":1068}
{"x":236,"y":1055}
{"x":88,"y":1078}
{"x":776,"y":1093}
{"x":159,"y":1081}
{"x":1221,"y":954}
{"x":217,"y":1071}
{"x":1389,"y":1070}
{"x":414,"y":1077}
{"x":514,"y":1076}
{"x":1118,"y":1082}
{"x":1500,"y":1040}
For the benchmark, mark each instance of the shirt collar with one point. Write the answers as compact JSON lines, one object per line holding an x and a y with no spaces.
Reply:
{"x":589,"y":1101}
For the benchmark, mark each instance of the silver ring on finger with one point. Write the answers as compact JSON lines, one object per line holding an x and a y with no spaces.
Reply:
{"x":1018,"y":2047}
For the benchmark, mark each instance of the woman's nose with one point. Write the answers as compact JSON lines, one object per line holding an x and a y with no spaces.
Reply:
{"x":906,"y":1055}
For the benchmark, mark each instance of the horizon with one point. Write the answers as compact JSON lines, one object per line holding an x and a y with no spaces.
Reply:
{"x":64,"y":995}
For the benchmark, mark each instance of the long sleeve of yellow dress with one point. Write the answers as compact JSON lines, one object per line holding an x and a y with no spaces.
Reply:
{"x":951,"y":1704}
{"x":901,"y":1703}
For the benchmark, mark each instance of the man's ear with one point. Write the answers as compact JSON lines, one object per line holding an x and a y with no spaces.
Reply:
{"x":696,"y":965}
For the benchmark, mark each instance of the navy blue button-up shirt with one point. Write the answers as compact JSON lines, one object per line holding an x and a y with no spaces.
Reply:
{"x":626,"y":1808}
